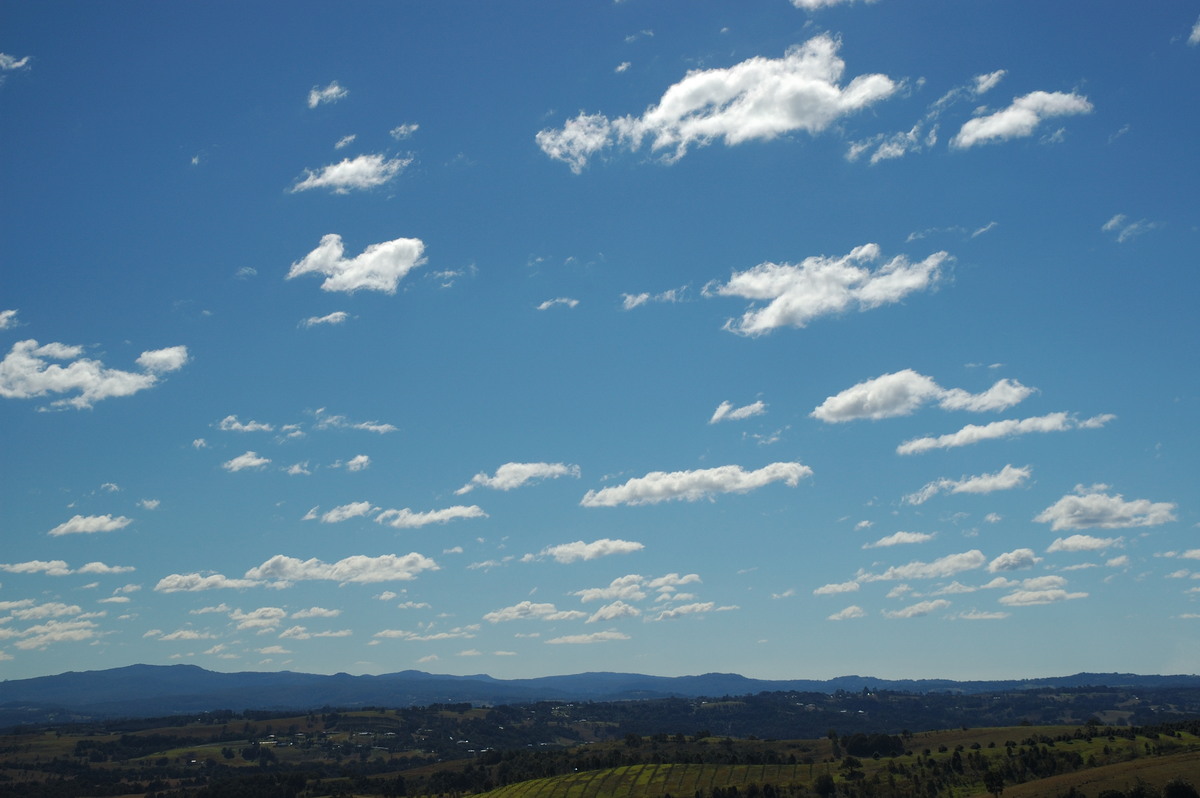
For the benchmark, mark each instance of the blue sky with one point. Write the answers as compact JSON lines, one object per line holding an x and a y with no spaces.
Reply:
{"x":793,"y":339}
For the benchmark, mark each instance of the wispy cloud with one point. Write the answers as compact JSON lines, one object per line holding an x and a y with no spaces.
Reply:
{"x":327,"y":94}
{"x":972,"y":433}
{"x":660,"y":486}
{"x":516,"y":475}
{"x":363,"y":172}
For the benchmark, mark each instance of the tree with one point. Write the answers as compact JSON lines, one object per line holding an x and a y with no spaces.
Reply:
{"x":993,"y":782}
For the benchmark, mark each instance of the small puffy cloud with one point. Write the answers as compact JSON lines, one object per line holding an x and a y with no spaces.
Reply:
{"x":1007,"y":478}
{"x":594,"y":637}
{"x":1083,"y":543}
{"x":1014,"y":560}
{"x":727,"y":412}
{"x":918,"y":609}
{"x":611,"y":612}
{"x":337,"y":317}
{"x":527,"y":610}
{"x":1126,"y":229}
{"x":27,"y":371}
{"x":231,"y":424}
{"x":407,"y":519}
{"x":903,"y":392}
{"x":837,"y":587}
{"x":316,"y":612}
{"x":631,"y":301}
{"x":1009,"y":428}
{"x":244,"y":461}
{"x":358,"y":462}
{"x":853,"y":611}
{"x":574,"y":552}
{"x":149,"y":504}
{"x":1090,"y":508}
{"x":327,"y":421}
{"x":1020,"y":118}
{"x":562,"y":300}
{"x":261,"y":618}
{"x":757,"y":99}
{"x":159,"y":361}
{"x":47,"y":634}
{"x":379,"y":267}
{"x":8,"y":318}
{"x":87,"y":524}
{"x":191,"y":583}
{"x":822,"y":286}
{"x":938,"y":569}
{"x":401,"y":132}
{"x":102,"y":568}
{"x":328,"y":94}
{"x":1029,"y":598}
{"x":359,"y":568}
{"x":698,"y":608}
{"x":629,"y":587}
{"x":297,"y":469}
{"x":363,"y":172}
{"x":899,"y":539}
{"x":516,"y":475}
{"x":660,"y":486}
{"x":342,"y":513}
{"x":48,"y":567}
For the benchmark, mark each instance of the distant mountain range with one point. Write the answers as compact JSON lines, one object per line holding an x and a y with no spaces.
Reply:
{"x":161,"y":690}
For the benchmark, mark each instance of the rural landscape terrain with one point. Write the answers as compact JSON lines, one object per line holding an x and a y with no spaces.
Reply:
{"x":1084,"y":741}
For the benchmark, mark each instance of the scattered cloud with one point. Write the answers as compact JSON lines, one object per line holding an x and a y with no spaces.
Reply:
{"x":594,"y":637}
{"x":9,"y":63}
{"x":1090,"y":508}
{"x":631,"y":301}
{"x":345,"y":141}
{"x":940,"y":568}
{"x":1126,"y":229}
{"x":660,"y":486}
{"x":918,"y":609}
{"x":337,"y":317}
{"x":903,"y":392}
{"x":527,"y":610}
{"x":401,"y":132}
{"x":379,"y":267}
{"x":191,"y":583}
{"x":1014,"y":560}
{"x":26,"y":372}
{"x":853,"y":611}
{"x":363,"y":172}
{"x":1193,"y":38}
{"x":231,"y":424}
{"x":822,"y":286}
{"x":1029,"y":598}
{"x":1020,"y":118}
{"x":342,"y":513}
{"x":326,"y":421}
{"x":562,"y":300}
{"x":611,"y":612}
{"x":1076,"y":543}
{"x":359,"y":568}
{"x":8,"y":318}
{"x":1009,"y":428}
{"x":836,"y":588}
{"x":727,"y":412}
{"x":629,"y":587}
{"x":244,"y":461}
{"x":757,"y":99}
{"x":407,"y":519}
{"x":1007,"y":478}
{"x":574,"y":552}
{"x":359,"y":462}
{"x":329,"y":94}
{"x":81,"y":524}
{"x":900,"y":538}
{"x":516,"y":475}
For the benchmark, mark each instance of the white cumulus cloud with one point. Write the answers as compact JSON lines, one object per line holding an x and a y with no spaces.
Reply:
{"x":87,"y":524}
{"x":1090,"y":508}
{"x":594,"y":637}
{"x":1020,"y":118}
{"x":29,"y":370}
{"x":358,"y":568}
{"x":516,"y":475}
{"x":578,"y":550}
{"x":1006,"y":478}
{"x":757,"y":99}
{"x":245,"y":460}
{"x":363,"y":172}
{"x":337,"y":317}
{"x":974,"y":433}
{"x":1014,"y":560}
{"x":899,"y":539}
{"x":903,"y":392}
{"x":379,"y":267}
{"x":407,"y":519}
{"x":940,"y":568}
{"x":1083,"y":543}
{"x":853,"y":611}
{"x":527,"y":610}
{"x":795,"y":294}
{"x":918,"y":609}
{"x":660,"y":486}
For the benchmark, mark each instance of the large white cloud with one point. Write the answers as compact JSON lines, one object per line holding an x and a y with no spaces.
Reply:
{"x":795,"y":294}
{"x":515,"y":475}
{"x":660,"y":486}
{"x":1006,"y":478}
{"x":87,"y":524}
{"x":363,"y":172}
{"x":1020,"y":118}
{"x":1089,"y":508}
{"x":903,"y":392}
{"x":27,"y":372}
{"x":407,"y":519}
{"x":757,"y":99}
{"x":357,"y":568}
{"x":578,"y":550}
{"x":379,"y":267}
{"x":974,"y":433}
